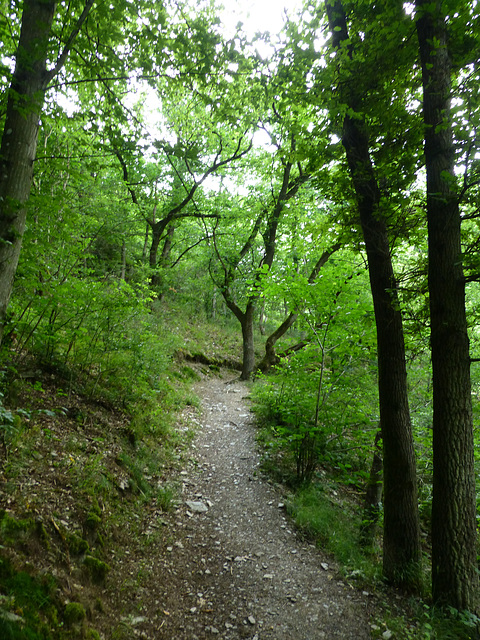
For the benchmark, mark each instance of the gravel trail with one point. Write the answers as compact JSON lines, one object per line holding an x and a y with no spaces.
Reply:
{"x":238,"y":569}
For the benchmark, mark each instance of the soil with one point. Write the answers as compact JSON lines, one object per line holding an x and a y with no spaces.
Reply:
{"x":238,"y":569}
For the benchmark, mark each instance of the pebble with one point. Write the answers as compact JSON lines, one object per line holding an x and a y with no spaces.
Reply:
{"x":196,"y":506}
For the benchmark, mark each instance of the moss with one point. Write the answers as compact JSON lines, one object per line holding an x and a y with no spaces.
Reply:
{"x":99,"y":605}
{"x":12,"y":529}
{"x":97,"y":569}
{"x":77,"y":545}
{"x":74,"y":614}
{"x":92,"y":635}
{"x":93,"y":520}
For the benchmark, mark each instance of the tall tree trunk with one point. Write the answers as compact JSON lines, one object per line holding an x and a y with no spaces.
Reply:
{"x":248,"y":363}
{"x":19,"y":140}
{"x":454,"y":536}
{"x":401,"y":542}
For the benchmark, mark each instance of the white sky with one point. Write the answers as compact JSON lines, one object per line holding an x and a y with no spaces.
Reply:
{"x":258,"y":15}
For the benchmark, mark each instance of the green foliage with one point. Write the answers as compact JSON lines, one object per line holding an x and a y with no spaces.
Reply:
{"x":320,"y":405}
{"x":334,"y":525}
{"x":424,"y":622}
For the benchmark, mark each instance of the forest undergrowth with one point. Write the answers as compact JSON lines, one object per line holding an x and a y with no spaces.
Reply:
{"x":84,"y":455}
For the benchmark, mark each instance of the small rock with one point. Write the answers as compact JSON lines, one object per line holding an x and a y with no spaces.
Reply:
{"x":251,"y":620}
{"x":324,"y":566}
{"x":196,"y":506}
{"x":386,"y":635}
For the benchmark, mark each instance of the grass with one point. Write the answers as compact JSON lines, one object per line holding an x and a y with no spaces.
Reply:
{"x":334,"y":528}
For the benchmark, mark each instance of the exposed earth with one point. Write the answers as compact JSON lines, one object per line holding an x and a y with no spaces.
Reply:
{"x":232,"y":566}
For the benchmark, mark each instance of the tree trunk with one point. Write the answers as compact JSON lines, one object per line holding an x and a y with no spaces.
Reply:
{"x":401,"y":542}
{"x":123,"y":273}
{"x":248,"y":342}
{"x":167,"y":245}
{"x":373,"y":496}
{"x":454,"y":536}
{"x":19,"y":140}
{"x":270,"y":358}
{"x":262,"y":319}
{"x":145,"y":242}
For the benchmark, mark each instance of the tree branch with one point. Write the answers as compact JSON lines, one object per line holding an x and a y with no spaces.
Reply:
{"x":68,"y":45}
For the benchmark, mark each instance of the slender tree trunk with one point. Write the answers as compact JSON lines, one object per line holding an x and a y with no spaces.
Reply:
{"x":262,"y":319}
{"x":401,"y":541}
{"x":454,"y":536}
{"x":373,"y":496}
{"x":19,"y":140}
{"x":145,"y":242}
{"x":248,"y":342}
{"x":157,"y":232}
{"x":123,"y":273}
{"x":270,"y":358}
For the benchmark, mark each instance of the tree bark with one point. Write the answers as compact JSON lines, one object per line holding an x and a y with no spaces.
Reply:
{"x":19,"y":140}
{"x":123,"y":273}
{"x":373,"y":496}
{"x":401,"y":542}
{"x":270,"y":358}
{"x":247,"y":323}
{"x":246,"y":319}
{"x":454,"y":536}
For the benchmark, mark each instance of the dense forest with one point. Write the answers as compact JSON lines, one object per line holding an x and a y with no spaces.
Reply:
{"x":314,"y":192}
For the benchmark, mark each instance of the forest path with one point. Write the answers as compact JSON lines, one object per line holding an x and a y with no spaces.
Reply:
{"x":238,"y":569}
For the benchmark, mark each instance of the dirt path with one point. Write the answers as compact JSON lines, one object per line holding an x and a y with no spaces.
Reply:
{"x":238,"y":570}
